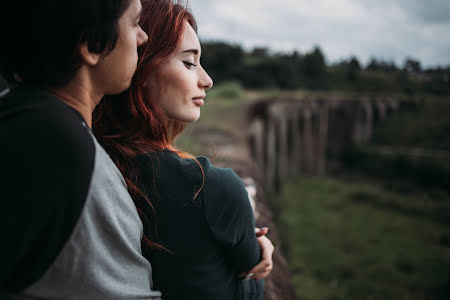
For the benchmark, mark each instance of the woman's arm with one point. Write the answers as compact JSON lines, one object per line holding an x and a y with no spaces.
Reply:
{"x":230,"y":217}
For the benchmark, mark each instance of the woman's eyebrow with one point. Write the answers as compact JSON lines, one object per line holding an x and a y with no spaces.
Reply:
{"x":195,"y":51}
{"x":139,"y":13}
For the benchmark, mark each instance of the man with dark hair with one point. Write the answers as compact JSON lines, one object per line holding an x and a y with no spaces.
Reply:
{"x":68,"y":227}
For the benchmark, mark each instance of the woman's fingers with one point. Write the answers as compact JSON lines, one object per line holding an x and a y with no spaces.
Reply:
{"x":264,"y":267}
{"x":261,"y":231}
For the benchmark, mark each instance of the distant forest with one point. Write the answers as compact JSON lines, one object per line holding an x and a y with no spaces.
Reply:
{"x":259,"y":68}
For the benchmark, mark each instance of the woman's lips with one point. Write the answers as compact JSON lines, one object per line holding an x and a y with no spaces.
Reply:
{"x":198,"y":101}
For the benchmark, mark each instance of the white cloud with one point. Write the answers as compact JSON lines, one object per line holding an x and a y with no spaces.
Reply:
{"x":392,"y":29}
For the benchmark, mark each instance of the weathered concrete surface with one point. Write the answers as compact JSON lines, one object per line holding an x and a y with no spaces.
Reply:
{"x":289,"y":137}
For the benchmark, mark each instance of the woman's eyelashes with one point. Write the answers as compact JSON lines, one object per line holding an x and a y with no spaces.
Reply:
{"x":189,"y":64}
{"x":136,"y":24}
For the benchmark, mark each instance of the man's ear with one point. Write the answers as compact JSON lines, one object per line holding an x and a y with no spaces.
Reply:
{"x":90,"y":58}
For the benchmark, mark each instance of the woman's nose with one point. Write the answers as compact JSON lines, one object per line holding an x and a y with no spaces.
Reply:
{"x":142,"y":37}
{"x":205,"y":80}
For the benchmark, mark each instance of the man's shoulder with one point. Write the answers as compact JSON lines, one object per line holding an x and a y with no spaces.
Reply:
{"x":47,"y":158}
{"x":34,"y":122}
{"x":30,"y":111}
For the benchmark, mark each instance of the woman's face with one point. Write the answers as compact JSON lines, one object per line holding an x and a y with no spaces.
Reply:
{"x":181,"y":90}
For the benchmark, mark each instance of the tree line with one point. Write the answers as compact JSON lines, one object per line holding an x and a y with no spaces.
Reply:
{"x":259,"y":68}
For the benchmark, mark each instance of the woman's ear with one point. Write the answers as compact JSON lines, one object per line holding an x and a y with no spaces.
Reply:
{"x":88,"y":57}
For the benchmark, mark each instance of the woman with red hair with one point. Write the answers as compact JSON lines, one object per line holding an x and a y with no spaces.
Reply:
{"x":199,"y":228}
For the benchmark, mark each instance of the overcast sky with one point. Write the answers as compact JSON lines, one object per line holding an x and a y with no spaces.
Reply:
{"x":388,"y":29}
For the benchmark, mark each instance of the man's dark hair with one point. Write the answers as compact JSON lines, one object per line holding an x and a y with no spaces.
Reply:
{"x":40,"y":37}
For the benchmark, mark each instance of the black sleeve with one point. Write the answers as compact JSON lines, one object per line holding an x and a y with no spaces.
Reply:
{"x":47,"y":157}
{"x":230,"y":216}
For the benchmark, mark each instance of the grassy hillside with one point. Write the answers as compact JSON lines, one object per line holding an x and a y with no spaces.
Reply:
{"x":353,"y":240}
{"x":426,"y":125}
{"x":379,"y":229}
{"x":411,"y":147}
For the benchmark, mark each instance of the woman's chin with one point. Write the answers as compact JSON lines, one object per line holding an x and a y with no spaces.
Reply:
{"x":198,"y":117}
{"x":195,"y":119}
{"x":188,"y":118}
{"x":194,"y":116}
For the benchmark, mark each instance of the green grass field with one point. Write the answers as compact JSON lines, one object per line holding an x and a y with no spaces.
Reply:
{"x":344,"y":241}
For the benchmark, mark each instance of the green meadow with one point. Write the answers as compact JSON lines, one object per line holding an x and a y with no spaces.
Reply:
{"x":355,"y":240}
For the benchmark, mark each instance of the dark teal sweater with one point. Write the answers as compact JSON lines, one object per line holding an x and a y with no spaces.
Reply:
{"x":210,"y":239}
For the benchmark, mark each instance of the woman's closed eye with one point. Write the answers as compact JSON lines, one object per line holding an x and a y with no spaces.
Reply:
{"x":188,"y":64}
{"x":136,"y":24}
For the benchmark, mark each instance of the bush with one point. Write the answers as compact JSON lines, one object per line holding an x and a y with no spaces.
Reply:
{"x":227,"y":90}
{"x":427,"y":172}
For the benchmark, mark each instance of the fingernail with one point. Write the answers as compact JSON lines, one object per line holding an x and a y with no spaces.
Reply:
{"x":264,"y":228}
{"x":249,"y":276}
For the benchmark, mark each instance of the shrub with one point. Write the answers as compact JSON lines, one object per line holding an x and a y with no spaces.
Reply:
{"x":228,"y":90}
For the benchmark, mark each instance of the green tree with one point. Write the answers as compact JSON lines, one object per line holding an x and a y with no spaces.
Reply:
{"x":412,"y":66}
{"x":314,"y":69}
{"x":222,"y":61}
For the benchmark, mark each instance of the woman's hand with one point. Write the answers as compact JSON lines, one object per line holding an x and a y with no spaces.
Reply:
{"x":261,"y":231}
{"x":264,"y":267}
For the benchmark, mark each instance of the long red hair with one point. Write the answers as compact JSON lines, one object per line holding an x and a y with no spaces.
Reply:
{"x":132,"y":123}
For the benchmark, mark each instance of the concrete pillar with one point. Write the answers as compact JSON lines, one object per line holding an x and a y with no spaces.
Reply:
{"x":271,"y":155}
{"x":307,"y":141}
{"x":322,"y":139}
{"x":380,"y":107}
{"x":257,"y":142}
{"x":295,"y":136}
{"x":280,"y":113}
{"x":358,"y":124}
{"x":368,"y":120}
